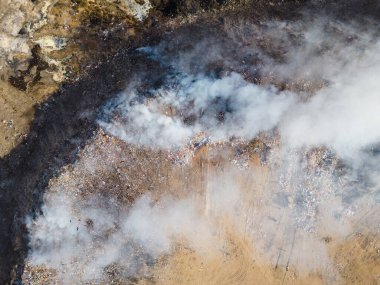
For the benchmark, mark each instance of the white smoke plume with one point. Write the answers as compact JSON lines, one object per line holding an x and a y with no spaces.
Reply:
{"x":81,"y":238}
{"x":342,"y":115}
{"x":297,"y":203}
{"x":246,"y":109}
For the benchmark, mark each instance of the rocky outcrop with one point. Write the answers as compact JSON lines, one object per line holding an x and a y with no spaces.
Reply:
{"x":46,"y":43}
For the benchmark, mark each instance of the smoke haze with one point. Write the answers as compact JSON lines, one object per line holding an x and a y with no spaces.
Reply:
{"x":316,"y":177}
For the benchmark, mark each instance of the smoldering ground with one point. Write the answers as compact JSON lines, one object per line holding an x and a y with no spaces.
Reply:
{"x":308,"y":90}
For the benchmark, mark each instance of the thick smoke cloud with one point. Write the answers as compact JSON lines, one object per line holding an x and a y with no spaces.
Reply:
{"x":342,"y":115}
{"x":224,"y":107}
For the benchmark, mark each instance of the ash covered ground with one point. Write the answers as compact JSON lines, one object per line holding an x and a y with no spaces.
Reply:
{"x":190,"y":142}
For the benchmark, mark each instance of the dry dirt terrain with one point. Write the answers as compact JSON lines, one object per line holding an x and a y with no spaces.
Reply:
{"x":189,"y":142}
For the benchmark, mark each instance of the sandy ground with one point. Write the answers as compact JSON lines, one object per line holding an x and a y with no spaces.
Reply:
{"x":355,"y":259}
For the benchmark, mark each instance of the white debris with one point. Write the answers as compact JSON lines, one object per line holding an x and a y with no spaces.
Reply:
{"x":139,"y":9}
{"x":51,"y":43}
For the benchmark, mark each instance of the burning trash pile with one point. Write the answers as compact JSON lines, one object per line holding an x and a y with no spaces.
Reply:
{"x":248,"y":154}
